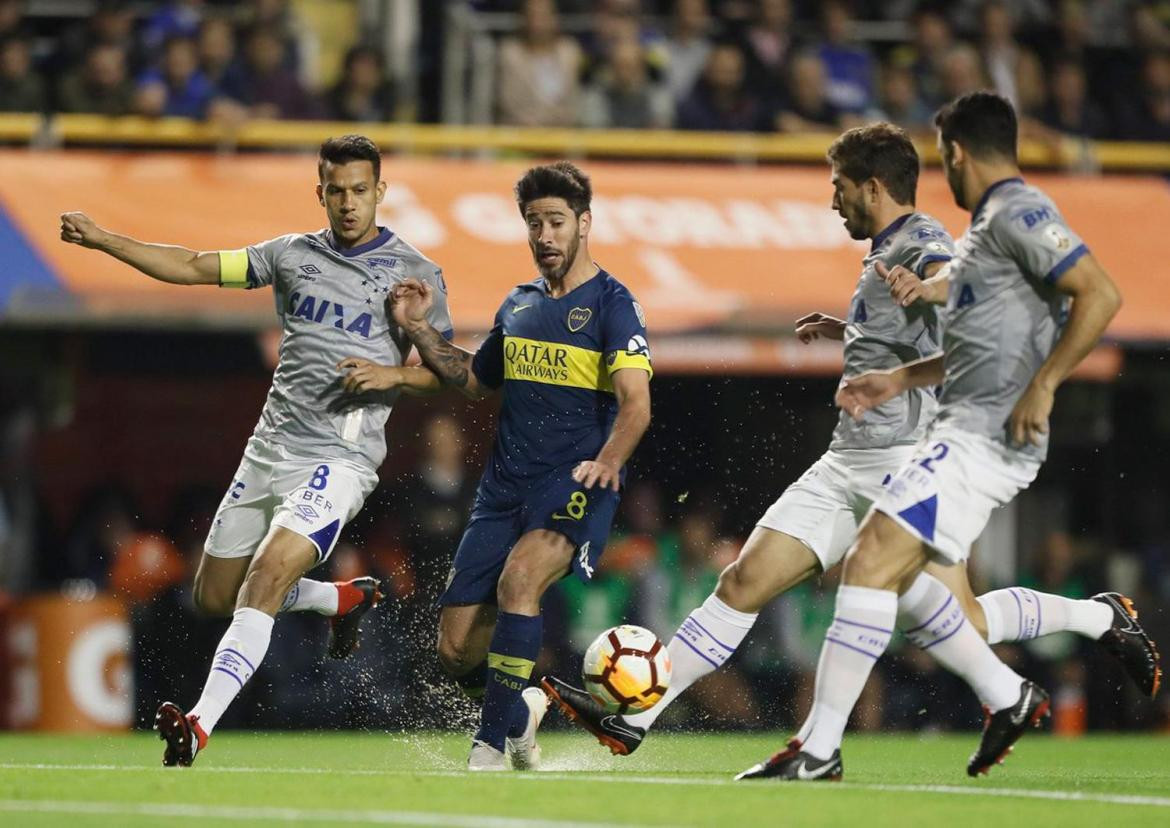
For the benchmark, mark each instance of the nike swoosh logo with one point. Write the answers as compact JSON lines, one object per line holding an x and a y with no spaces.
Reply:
{"x":508,"y":666}
{"x":1018,"y":717}
{"x":518,"y":308}
{"x":803,"y":773}
{"x":610,"y":724}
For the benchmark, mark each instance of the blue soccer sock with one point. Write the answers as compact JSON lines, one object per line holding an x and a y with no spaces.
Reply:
{"x":515,"y":645}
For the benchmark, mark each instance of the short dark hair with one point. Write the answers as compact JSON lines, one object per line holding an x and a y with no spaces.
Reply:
{"x":983,"y":122}
{"x":562,"y":179}
{"x":348,"y":148}
{"x":882,"y":151}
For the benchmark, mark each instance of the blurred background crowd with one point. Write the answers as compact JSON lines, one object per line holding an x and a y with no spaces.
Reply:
{"x":721,"y":449}
{"x":1096,"y":69}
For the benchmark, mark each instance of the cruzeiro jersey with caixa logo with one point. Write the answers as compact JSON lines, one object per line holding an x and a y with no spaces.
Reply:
{"x":332,"y":304}
{"x":554,"y":358}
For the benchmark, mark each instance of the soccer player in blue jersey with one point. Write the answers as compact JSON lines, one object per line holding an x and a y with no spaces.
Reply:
{"x":568,"y":351}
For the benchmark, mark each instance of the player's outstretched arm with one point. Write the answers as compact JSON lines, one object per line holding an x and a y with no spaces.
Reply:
{"x":856,"y":395}
{"x":907,"y":288}
{"x":363,"y":375}
{"x":815,"y":325}
{"x":409,"y":305}
{"x":1096,"y":301}
{"x":167,"y":263}
{"x":631,"y":386}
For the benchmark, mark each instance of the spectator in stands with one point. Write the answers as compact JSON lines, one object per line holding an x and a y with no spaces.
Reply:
{"x":101,"y":85}
{"x":538,"y":71}
{"x":849,"y":67}
{"x":21,"y":88}
{"x":264,"y":85}
{"x":614,"y":23}
{"x":962,"y":72}
{"x":363,"y":93}
{"x":806,"y":106}
{"x":899,"y":102}
{"x":1148,"y":118}
{"x":767,"y":44}
{"x":933,"y":41}
{"x":11,"y":17}
{"x":720,"y":99}
{"x":112,"y":23}
{"x":622,"y":96}
{"x":177,"y":88}
{"x":1069,"y":109}
{"x":999,"y":50}
{"x":179,"y":18}
{"x":217,"y":50}
{"x":299,"y":40}
{"x":687,"y":46}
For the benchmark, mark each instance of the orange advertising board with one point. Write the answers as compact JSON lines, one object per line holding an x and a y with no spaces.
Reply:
{"x":740,"y":248}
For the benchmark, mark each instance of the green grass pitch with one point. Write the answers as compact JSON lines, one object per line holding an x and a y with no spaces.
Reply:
{"x":674,"y":779}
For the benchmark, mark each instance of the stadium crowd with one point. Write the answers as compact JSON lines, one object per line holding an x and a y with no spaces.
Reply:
{"x":737,"y":65}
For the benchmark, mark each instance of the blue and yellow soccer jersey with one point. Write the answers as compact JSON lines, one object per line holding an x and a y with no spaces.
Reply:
{"x":554,"y":358}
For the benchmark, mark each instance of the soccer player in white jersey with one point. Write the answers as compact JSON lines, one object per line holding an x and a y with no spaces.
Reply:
{"x":1010,"y":339}
{"x":809,"y":529}
{"x":313,"y":457}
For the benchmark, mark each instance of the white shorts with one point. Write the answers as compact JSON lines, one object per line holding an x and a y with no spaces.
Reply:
{"x":946,"y":492}
{"x":312,"y":497}
{"x":823,"y":508}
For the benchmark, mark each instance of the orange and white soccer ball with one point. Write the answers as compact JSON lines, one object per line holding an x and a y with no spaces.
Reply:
{"x":627,"y":669}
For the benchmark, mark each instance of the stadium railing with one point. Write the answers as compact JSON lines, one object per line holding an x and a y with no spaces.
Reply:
{"x":667,"y":145}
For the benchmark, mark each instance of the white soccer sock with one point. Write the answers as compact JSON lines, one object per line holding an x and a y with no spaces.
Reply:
{"x":859,"y":634}
{"x":706,"y":639}
{"x":311,"y":596}
{"x":1020,"y":614}
{"x":932,"y":618}
{"x":240,"y":652}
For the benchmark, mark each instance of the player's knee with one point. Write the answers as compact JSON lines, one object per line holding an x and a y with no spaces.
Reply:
{"x":267,"y":583}
{"x":454,"y":655}
{"x":864,"y":565}
{"x":517,"y":590}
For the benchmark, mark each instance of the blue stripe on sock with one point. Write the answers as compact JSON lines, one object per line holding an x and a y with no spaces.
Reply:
{"x":855,"y":649}
{"x":864,"y":626}
{"x":696,"y":651}
{"x":708,"y":632}
{"x":241,"y":655}
{"x":230,"y":673}
{"x":948,"y":635}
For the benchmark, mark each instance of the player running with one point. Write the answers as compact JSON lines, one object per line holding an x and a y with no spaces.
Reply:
{"x":569,"y":353}
{"x":809,"y":529}
{"x":314,"y":454}
{"x":1010,"y":339}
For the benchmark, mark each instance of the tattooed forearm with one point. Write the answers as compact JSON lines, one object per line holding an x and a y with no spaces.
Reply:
{"x":451,"y":363}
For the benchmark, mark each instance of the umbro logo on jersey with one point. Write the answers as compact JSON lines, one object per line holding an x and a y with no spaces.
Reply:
{"x":311,"y":269}
{"x":579,"y":318}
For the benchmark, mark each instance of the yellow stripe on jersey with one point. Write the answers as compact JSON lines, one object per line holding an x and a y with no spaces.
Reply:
{"x":554,"y":363}
{"x":624,"y":359}
{"x":233,"y":268}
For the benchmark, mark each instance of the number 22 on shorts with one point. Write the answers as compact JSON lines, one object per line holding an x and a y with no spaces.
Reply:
{"x":574,"y":509}
{"x":940,"y":451}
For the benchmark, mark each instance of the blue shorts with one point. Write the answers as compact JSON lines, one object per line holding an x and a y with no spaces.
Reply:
{"x":555,"y":502}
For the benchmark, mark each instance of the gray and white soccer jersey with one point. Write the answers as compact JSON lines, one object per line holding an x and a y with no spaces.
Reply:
{"x":1004,"y":313}
{"x":312,"y":459}
{"x":880,"y":334}
{"x":823,"y":508}
{"x":1004,"y":316}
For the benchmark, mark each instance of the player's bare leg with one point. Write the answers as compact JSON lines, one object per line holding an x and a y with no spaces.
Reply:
{"x":465,"y":633}
{"x":284,"y":556}
{"x":509,"y":718}
{"x":217,"y":584}
{"x":769,"y":564}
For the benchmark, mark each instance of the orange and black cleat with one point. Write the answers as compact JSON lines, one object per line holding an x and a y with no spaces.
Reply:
{"x":1129,"y":643}
{"x":345,"y":627}
{"x":182,"y":733}
{"x":613,"y":731}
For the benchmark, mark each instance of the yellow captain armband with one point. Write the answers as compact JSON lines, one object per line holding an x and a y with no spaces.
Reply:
{"x":625,"y":359}
{"x":233,"y":268}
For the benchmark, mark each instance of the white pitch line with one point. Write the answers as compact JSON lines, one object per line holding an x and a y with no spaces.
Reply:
{"x":636,"y":779}
{"x":269,"y":814}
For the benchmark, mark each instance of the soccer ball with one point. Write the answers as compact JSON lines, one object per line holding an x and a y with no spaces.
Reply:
{"x":627,"y":669}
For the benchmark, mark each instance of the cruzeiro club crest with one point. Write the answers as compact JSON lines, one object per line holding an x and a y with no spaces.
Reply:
{"x":579,"y":318}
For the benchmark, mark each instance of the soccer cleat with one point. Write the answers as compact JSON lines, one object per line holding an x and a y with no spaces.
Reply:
{"x":611,"y":730}
{"x":1002,"y":728}
{"x":523,"y":751}
{"x":344,"y":628}
{"x":794,"y":764}
{"x":484,"y":757}
{"x":182,"y":733}
{"x":1129,"y":643}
